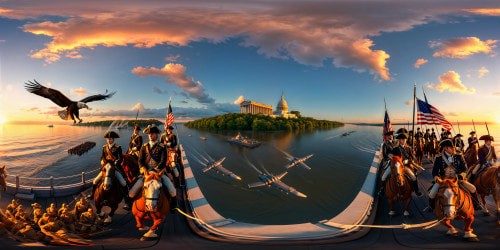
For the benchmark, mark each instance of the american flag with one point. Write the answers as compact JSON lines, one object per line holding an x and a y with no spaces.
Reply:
{"x":387,"y":124}
{"x":428,"y":114}
{"x":169,"y":119}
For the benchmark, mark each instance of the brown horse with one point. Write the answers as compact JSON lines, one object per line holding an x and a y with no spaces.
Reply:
{"x":130,"y":167}
{"x":488,"y":183}
{"x":470,"y":156}
{"x":173,"y":165}
{"x":453,"y":203}
{"x":3,"y":177}
{"x":152,"y":204}
{"x":432,"y":149}
{"x":108,"y":192}
{"x":398,"y":187}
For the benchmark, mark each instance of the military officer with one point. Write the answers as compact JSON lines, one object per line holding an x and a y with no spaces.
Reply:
{"x":11,"y":208}
{"x":134,"y":147}
{"x":433,"y":134}
{"x":486,"y":155}
{"x":427,"y":136}
{"x":404,"y":151}
{"x":89,"y":221}
{"x":63,"y":206}
{"x":419,"y":134}
{"x":388,"y":146}
{"x":68,"y":219}
{"x":168,"y":138}
{"x":472,"y":140}
{"x":52,"y":210}
{"x":153,"y":157}
{"x":459,"y":143}
{"x":448,"y":164}
{"x":112,"y":154}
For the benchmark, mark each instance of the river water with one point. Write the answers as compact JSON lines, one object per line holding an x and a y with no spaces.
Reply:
{"x":339,"y":165}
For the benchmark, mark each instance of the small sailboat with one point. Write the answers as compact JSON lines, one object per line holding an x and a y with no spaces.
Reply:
{"x":203,"y":138}
{"x":50,"y":125}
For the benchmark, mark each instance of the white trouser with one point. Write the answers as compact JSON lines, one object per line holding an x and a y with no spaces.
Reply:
{"x":463,"y":184}
{"x":119,"y":177}
{"x":164,"y":180}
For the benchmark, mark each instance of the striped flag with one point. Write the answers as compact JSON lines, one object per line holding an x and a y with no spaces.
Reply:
{"x":169,"y":119}
{"x":428,"y":114}
{"x":387,"y":124}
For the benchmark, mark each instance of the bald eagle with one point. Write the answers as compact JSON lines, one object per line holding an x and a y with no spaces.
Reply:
{"x":72,"y":108}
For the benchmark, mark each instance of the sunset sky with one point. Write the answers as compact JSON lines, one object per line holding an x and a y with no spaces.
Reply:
{"x":334,"y":60}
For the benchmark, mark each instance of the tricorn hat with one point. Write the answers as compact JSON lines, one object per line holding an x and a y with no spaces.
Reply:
{"x":136,"y":127}
{"x":402,"y":130}
{"x":402,"y":136}
{"x":389,"y":133}
{"x":458,"y":135}
{"x":151,"y":129}
{"x":111,"y":134}
{"x":486,"y":138}
{"x":472,"y":132}
{"x":170,"y":127}
{"x":446,"y":143}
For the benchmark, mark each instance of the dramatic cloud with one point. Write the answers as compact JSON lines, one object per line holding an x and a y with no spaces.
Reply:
{"x":483,"y":71}
{"x":137,"y":107}
{"x":79,"y":92}
{"x":409,"y":102}
{"x":462,"y":47}
{"x":451,"y":81}
{"x":486,"y":12}
{"x":239,"y":100}
{"x":176,"y":74}
{"x":420,"y":62}
{"x":308,"y":32}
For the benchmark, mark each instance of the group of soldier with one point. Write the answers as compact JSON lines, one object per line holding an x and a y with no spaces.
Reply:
{"x":34,"y":225}
{"x":448,"y":163}
{"x":151,"y":156}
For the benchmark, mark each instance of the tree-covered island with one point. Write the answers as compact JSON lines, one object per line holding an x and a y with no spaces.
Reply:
{"x":235,"y":121}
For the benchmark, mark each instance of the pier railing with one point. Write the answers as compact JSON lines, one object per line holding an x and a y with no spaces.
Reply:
{"x":30,"y":187}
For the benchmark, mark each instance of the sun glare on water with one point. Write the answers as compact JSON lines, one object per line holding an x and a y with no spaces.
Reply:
{"x":3,"y":119}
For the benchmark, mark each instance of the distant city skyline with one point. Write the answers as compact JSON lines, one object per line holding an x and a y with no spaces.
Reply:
{"x":334,"y":60}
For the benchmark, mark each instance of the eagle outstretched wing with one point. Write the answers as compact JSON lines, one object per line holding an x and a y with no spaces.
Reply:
{"x":97,"y":97}
{"x":52,"y":94}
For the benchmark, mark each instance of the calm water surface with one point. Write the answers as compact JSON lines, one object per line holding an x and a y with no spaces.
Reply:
{"x":339,"y":166}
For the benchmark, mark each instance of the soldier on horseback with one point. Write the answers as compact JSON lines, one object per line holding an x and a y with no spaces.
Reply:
{"x":472,"y":140}
{"x":112,"y":154}
{"x":427,"y":136}
{"x":135,"y":144}
{"x":487,"y":157}
{"x":152,"y":157}
{"x":459,"y":143}
{"x":419,"y":134}
{"x":168,"y":138}
{"x":404,"y":151}
{"x":388,"y":146}
{"x":433,"y":134}
{"x":449,"y":164}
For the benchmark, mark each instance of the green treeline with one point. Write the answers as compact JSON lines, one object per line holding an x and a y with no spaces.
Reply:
{"x":142,"y":123}
{"x":235,"y":121}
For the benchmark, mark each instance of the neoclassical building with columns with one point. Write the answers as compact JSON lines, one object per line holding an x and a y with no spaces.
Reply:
{"x":252,"y":107}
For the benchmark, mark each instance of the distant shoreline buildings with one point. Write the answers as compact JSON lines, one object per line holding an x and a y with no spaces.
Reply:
{"x":251,"y":107}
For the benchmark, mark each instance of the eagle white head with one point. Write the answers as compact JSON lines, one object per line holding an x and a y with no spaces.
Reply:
{"x":81,"y":105}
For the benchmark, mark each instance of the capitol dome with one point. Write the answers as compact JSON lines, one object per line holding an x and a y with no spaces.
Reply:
{"x":282,"y":105}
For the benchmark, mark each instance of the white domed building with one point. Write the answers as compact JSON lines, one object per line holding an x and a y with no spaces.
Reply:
{"x":282,"y":109}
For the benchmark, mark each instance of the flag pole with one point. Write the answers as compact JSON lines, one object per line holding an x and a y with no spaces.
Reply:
{"x":413,"y":117}
{"x":458,"y":124}
{"x":425,"y":97}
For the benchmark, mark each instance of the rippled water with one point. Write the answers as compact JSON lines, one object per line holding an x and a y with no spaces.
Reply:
{"x":339,"y":166}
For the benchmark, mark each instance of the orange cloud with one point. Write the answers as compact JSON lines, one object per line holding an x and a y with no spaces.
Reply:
{"x":4,"y":11}
{"x":420,"y":62}
{"x":308,"y":38}
{"x":409,"y":102}
{"x":138,"y":107}
{"x":80,"y":92}
{"x":462,"y":47}
{"x":483,"y":71}
{"x":176,"y":74}
{"x":451,"y":81}
{"x":239,"y":100}
{"x":487,"y":12}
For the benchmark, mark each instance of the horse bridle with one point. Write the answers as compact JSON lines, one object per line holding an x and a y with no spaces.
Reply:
{"x":457,"y":194}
